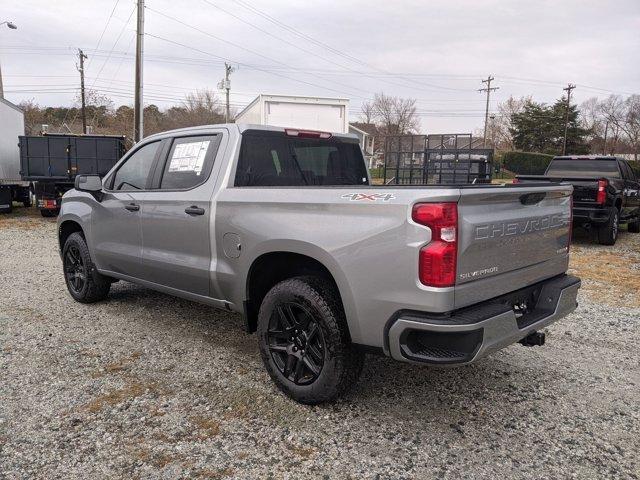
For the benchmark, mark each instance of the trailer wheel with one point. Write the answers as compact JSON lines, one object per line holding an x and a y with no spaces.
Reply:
{"x":304,"y":342}
{"x":83,"y":281}
{"x":608,"y":234}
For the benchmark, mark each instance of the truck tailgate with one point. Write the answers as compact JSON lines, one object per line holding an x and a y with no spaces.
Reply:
{"x":584,"y":189}
{"x":506,"y":230}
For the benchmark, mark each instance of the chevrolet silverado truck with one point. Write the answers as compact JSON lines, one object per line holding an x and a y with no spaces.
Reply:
{"x":605,"y":192}
{"x":284,"y":227}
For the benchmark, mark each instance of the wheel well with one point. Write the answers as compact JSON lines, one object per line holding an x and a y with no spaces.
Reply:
{"x":67,"y":228}
{"x":272,"y":268}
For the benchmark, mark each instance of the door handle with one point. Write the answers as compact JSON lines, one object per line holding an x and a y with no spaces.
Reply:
{"x":132,"y":207}
{"x":193,"y":210}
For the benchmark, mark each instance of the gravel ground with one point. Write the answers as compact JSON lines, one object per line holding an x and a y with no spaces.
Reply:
{"x":148,"y":386}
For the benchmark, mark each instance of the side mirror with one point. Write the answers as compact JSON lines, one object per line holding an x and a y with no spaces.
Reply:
{"x":88,"y":183}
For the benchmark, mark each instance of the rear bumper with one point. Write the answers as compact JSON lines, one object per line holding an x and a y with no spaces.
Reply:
{"x":469,"y":334}
{"x":591,"y":215}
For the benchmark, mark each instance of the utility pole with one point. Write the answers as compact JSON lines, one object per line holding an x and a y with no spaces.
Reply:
{"x":566,"y":120}
{"x":80,"y":68}
{"x":488,"y":89}
{"x":225,"y":84}
{"x":138,"y":108}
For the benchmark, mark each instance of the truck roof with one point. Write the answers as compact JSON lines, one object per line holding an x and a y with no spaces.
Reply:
{"x":242,"y":127}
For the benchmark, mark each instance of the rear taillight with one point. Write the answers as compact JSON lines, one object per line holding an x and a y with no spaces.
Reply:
{"x":437,"y":260}
{"x":516,"y":180}
{"x":601,"y":198}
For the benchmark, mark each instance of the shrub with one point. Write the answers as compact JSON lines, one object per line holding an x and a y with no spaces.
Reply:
{"x":526,"y":163}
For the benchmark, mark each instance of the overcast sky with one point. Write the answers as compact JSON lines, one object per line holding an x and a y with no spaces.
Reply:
{"x":434,"y":51}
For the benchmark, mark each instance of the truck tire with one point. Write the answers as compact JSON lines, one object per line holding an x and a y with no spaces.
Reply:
{"x":83,"y":281}
{"x":634,"y":227}
{"x":608,"y":234}
{"x":304,"y":341}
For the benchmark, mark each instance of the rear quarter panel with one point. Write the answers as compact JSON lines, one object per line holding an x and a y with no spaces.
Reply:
{"x":370,"y":246}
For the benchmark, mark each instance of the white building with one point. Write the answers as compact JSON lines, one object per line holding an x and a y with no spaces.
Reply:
{"x":313,"y":113}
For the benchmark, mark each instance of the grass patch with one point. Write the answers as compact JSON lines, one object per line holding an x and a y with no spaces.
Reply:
{"x":303,"y":452}
{"x":131,"y":389}
{"x":207,"y":427}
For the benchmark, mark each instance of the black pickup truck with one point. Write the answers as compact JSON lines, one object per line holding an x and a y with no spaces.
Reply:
{"x":605,"y":192}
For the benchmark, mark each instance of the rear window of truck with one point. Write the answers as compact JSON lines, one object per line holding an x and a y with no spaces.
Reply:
{"x":583,"y":168}
{"x":276,"y":159}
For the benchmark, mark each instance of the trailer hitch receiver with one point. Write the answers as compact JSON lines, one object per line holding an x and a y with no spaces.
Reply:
{"x":533,"y":339}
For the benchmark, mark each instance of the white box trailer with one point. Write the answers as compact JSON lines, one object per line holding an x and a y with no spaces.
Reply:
{"x":12,"y":188}
{"x":314,"y":113}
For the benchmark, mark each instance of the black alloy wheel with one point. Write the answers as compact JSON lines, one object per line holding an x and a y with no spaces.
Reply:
{"x":74,"y":269}
{"x":296,"y":343}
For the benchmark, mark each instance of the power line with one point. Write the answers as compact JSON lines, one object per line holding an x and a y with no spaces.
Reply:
{"x":253,"y":52}
{"x":246,"y":65}
{"x":124,"y":26}
{"x":115,"y":5}
{"x":329,"y":47}
{"x":308,"y":52}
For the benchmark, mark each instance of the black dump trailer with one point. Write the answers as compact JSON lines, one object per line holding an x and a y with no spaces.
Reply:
{"x":52,"y":161}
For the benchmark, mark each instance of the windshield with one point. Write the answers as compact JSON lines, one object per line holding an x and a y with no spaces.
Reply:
{"x":275,"y":159}
{"x":583,"y":168}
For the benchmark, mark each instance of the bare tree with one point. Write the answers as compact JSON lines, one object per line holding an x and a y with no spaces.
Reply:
{"x":367,"y":112}
{"x":613,"y":110}
{"x":202,"y":107}
{"x":499,"y":128}
{"x":631,"y":123}
{"x":395,"y":115}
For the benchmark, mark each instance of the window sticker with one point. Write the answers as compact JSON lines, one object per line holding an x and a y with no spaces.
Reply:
{"x":189,"y":157}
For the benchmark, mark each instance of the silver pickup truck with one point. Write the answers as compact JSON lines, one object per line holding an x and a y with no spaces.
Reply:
{"x":284,"y":226}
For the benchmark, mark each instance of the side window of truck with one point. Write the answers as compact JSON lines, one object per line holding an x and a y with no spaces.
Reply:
{"x":623,"y":170}
{"x":629,"y":174}
{"x":189,"y":163}
{"x":134,"y":173}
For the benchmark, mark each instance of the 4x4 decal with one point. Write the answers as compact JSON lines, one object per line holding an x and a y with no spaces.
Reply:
{"x":369,"y":197}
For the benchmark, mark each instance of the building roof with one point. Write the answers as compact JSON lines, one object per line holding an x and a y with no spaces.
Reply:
{"x":353,"y":127}
{"x":368,"y":128}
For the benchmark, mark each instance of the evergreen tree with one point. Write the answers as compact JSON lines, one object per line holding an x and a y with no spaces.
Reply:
{"x":540,"y":128}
